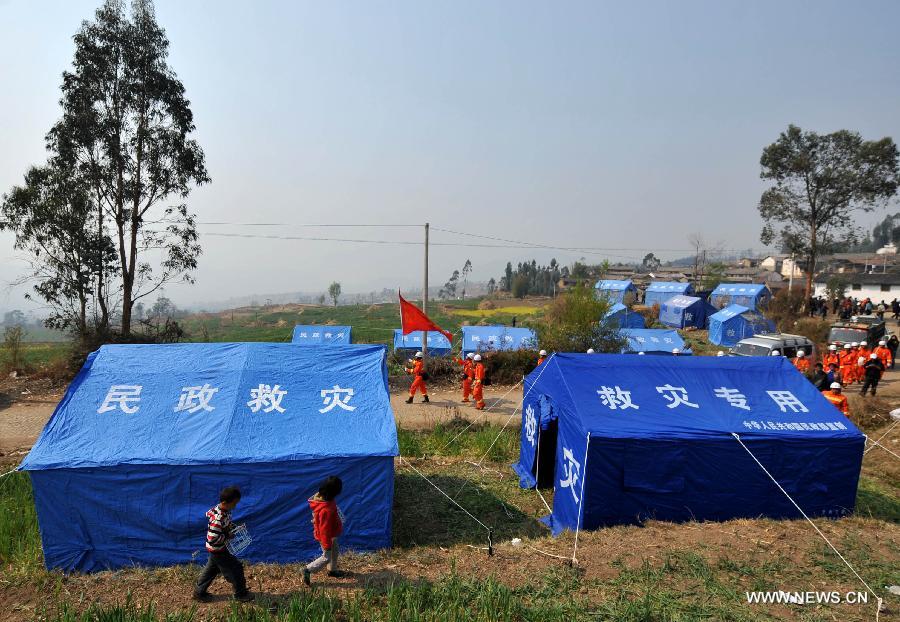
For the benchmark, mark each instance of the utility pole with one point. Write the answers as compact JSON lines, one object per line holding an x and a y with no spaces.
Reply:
{"x":425,"y":298}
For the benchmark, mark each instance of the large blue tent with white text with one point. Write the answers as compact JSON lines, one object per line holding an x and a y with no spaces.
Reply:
{"x":624,"y":439}
{"x":497,"y":338}
{"x":147,"y":435}
{"x":653,"y":341}
{"x":736,"y":322}
{"x":314,"y":335}
{"x":660,"y":291}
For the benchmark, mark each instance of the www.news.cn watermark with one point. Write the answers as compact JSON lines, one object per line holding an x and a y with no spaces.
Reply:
{"x":807,"y":598}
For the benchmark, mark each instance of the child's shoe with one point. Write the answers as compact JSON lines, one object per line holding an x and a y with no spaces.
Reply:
{"x":338,"y":574}
{"x":409,"y":401}
{"x":203,"y":597}
{"x":306,"y":580}
{"x":246,"y":597}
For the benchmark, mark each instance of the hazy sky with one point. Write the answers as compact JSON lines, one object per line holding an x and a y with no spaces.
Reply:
{"x":625,"y":125}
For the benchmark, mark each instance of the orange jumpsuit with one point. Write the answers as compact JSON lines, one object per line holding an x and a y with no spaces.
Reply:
{"x":418,"y":383}
{"x":478,"y":390}
{"x":848,"y":366}
{"x":802,"y":364}
{"x":540,"y":360}
{"x":860,"y":370}
{"x":884,"y":353}
{"x":831,"y":357}
{"x":838,"y":400}
{"x":468,"y":375}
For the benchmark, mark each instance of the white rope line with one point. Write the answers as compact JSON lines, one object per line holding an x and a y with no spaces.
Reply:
{"x":868,"y":449}
{"x":809,"y":520}
{"x":533,"y":548}
{"x":9,"y":472}
{"x":436,"y":487}
{"x":483,"y":413}
{"x":877,"y":444}
{"x":587,"y":446}
{"x":545,"y":364}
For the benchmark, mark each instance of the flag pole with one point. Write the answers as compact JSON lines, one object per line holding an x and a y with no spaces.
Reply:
{"x":425,"y":298}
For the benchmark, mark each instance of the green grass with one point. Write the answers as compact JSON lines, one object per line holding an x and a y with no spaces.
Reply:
{"x":453,"y":439}
{"x":876,"y":500}
{"x":20,"y":543}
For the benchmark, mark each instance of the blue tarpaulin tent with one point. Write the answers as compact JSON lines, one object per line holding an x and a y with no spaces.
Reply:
{"x":684,"y":311}
{"x":735,"y":322}
{"x":486,"y":338}
{"x":621,"y":316}
{"x":660,"y":291}
{"x":652,"y":341}
{"x":753,"y":296}
{"x":146,"y":436}
{"x":634,"y":438}
{"x":314,"y":335}
{"x":437,"y":342}
{"x":616,"y":291}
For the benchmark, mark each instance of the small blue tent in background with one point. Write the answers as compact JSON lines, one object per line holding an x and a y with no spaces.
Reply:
{"x":630,"y":438}
{"x":487,"y":338}
{"x":617,"y":291}
{"x":147,"y":435}
{"x":316,"y":335}
{"x":753,"y":296}
{"x":735,"y":322}
{"x":660,"y":291}
{"x":438,"y":344}
{"x":621,"y":316}
{"x":684,"y":311}
{"x":652,"y":341}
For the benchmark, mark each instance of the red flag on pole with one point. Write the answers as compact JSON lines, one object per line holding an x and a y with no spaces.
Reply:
{"x":412,"y":319}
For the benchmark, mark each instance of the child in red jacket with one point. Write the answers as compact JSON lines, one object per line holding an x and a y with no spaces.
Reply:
{"x":327,"y":526}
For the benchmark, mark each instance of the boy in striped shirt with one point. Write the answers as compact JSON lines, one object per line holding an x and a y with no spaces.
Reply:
{"x":219,"y":530}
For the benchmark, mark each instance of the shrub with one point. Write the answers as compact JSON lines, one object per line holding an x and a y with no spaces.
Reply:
{"x":572,"y":323}
{"x":12,"y":343}
{"x":486,"y":305}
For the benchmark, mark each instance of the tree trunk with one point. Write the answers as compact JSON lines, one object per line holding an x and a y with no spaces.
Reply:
{"x":810,"y":263}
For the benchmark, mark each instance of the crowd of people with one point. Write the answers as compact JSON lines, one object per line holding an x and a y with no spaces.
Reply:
{"x":847,"y":307}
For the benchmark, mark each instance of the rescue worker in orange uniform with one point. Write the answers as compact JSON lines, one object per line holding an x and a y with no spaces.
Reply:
{"x":862,"y":353}
{"x":832,"y":357}
{"x":837,"y":398}
{"x":541,"y":356}
{"x":418,"y":384}
{"x":884,"y":353}
{"x":468,"y":374}
{"x":478,"y":385}
{"x":848,"y":364}
{"x":801,"y":362}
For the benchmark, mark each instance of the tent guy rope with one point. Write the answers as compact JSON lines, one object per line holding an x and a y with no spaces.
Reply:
{"x":816,"y":527}
{"x":587,"y":446}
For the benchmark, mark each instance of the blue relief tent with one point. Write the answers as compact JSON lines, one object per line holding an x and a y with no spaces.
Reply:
{"x":627,"y":439}
{"x":616,"y":291}
{"x":753,"y":296}
{"x":660,"y":291}
{"x":620,"y":316}
{"x":684,"y":311}
{"x":487,"y":338}
{"x":316,"y":335}
{"x":735,"y":322}
{"x":147,"y":435}
{"x":652,"y":341}
{"x":437,"y":343}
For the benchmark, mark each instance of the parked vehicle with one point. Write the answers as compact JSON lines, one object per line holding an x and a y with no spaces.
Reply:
{"x":763,"y":345}
{"x":868,"y":328}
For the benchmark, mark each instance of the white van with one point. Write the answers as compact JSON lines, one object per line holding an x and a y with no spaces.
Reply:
{"x":762,"y":345}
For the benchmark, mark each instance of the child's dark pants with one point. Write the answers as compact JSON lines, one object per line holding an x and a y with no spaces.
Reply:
{"x":228,"y":566}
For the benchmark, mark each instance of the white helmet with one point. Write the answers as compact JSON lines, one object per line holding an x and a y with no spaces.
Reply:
{"x":855,"y":344}
{"x":676,"y":351}
{"x":882,"y":343}
{"x":641,"y":353}
{"x":720,"y":353}
{"x":862,"y":343}
{"x":847,"y":346}
{"x":477,"y":357}
{"x":590,"y":350}
{"x":832,"y":347}
{"x":470,"y":355}
{"x":418,"y":355}
{"x":776,"y":353}
{"x":836,"y":385}
{"x":801,"y":353}
{"x":543,"y":353}
{"x":873,"y":356}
